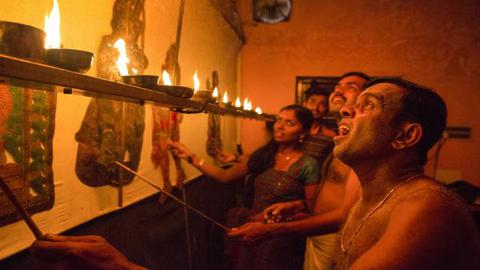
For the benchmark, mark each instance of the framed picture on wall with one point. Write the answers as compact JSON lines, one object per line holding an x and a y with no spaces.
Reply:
{"x":303,"y":83}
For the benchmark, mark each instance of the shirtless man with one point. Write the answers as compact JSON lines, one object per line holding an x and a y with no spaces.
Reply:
{"x":338,"y":192}
{"x":404,"y":220}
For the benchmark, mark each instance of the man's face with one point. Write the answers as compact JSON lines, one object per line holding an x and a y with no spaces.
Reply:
{"x":318,"y":105}
{"x":346,"y":92}
{"x":366,"y":131}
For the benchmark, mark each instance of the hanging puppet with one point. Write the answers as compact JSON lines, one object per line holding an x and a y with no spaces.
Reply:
{"x":26,"y":132}
{"x":214,"y":139}
{"x":113,"y":130}
{"x":166,"y":127}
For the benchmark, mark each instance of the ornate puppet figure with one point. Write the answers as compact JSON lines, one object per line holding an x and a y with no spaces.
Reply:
{"x":166,"y":127}
{"x":214,"y":140}
{"x":7,"y":104}
{"x":113,"y":130}
{"x":26,"y":131}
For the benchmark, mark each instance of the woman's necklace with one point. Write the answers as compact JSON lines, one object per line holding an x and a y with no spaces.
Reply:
{"x":285,"y":159}
{"x":346,"y":247}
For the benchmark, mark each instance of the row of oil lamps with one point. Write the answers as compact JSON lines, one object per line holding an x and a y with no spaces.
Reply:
{"x":69,"y":57}
{"x":201,"y":95}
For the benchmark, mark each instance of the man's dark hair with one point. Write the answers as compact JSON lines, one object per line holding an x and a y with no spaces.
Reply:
{"x":420,"y":105}
{"x":316,"y":89}
{"x":355,"y":73}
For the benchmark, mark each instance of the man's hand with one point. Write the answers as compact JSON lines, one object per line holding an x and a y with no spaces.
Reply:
{"x":252,"y":231}
{"x":79,"y":252}
{"x":283,"y":211}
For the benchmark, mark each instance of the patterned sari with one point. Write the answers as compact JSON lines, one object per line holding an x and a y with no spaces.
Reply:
{"x":270,"y":187}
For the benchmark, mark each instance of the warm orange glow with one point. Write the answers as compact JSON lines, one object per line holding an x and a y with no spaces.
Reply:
{"x":215,"y":92}
{"x":196,"y":82}
{"x":52,"y":27}
{"x":245,"y":104}
{"x":166,"y":78}
{"x":225,"y":97}
{"x":122,"y":59}
{"x":238,"y":103}
{"x":258,"y":110}
{"x":250,"y":107}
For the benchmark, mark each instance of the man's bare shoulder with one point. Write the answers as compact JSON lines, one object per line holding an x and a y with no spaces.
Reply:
{"x":337,"y":171}
{"x":430,"y":220}
{"x":429,"y":195}
{"x":429,"y":201}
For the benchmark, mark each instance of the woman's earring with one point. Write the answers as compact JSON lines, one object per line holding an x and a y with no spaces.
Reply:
{"x":300,"y":140}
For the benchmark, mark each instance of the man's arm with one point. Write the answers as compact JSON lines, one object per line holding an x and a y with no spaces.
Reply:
{"x":79,"y":252}
{"x":325,"y":223}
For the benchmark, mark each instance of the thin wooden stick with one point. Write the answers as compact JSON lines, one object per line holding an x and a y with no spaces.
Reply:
{"x":26,"y":217}
{"x":173,"y":197}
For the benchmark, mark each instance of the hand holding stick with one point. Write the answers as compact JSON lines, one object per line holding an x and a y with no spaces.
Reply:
{"x":26,"y":217}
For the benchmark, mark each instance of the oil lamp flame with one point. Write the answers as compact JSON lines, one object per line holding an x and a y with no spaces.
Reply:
{"x":250,"y":107}
{"x":166,"y":78}
{"x":238,"y":103}
{"x":245,"y":104}
{"x":122,"y":59}
{"x":225,"y":98}
{"x":52,"y":27}
{"x":215,"y":92}
{"x":258,"y":110}
{"x":196,"y":82}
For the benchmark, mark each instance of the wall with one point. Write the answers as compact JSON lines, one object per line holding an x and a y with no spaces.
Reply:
{"x":156,"y":235}
{"x":435,"y":43}
{"x":207,"y":44}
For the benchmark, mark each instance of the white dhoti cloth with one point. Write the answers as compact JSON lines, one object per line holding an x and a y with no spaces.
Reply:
{"x":319,"y":252}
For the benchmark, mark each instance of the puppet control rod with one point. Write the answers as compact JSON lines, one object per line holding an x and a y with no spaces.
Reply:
{"x":26,"y":217}
{"x":39,"y":235}
{"x":172,"y":196}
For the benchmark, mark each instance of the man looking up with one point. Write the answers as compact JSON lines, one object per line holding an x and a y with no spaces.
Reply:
{"x":404,"y":219}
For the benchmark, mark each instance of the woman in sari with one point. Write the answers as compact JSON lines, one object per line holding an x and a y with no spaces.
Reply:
{"x":280,"y":172}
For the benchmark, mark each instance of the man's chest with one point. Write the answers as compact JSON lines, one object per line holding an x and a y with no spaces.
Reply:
{"x":359,"y":234}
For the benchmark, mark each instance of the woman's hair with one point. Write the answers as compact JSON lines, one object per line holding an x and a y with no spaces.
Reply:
{"x":264,"y":157}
